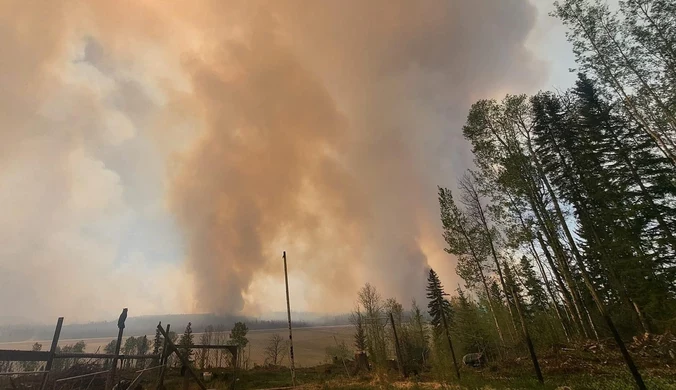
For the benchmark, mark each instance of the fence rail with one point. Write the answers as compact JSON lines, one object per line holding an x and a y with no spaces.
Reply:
{"x":23,"y":356}
{"x":43,"y":356}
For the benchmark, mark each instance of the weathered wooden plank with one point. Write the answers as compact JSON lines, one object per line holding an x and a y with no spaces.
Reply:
{"x":52,"y":351}
{"x":184,"y":361}
{"x":23,"y":356}
{"x":84,"y":355}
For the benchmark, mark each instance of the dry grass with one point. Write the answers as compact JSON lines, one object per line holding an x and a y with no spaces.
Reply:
{"x":309,"y":343}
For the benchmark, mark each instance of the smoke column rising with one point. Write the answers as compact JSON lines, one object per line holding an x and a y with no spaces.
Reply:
{"x":320,"y":128}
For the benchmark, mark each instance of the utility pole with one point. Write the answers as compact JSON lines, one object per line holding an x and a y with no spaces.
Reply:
{"x":288,"y":313}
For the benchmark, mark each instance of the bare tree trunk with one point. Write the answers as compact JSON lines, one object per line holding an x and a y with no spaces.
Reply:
{"x":631,"y":107}
{"x":554,"y":303}
{"x":483,"y":281}
{"x":526,"y":335}
{"x":472,"y":195}
{"x":448,"y":336}
{"x":563,"y":266}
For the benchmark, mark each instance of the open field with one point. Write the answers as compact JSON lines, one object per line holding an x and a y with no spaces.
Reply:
{"x":309,"y":343}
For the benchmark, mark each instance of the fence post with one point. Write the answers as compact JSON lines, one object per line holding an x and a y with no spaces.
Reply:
{"x":163,"y":359}
{"x":182,"y":358}
{"x":400,"y":361}
{"x":113,"y":369}
{"x":52,"y":351}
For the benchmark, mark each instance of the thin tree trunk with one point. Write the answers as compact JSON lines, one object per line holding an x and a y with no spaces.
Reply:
{"x":554,"y":303}
{"x":563,"y":266}
{"x":471,"y":191}
{"x":542,"y":270}
{"x":587,"y":220}
{"x":497,"y":266}
{"x":639,"y":76}
{"x":616,"y":335}
{"x":448,"y":336}
{"x":632,"y":109}
{"x":483,"y":280}
{"x":526,"y":335}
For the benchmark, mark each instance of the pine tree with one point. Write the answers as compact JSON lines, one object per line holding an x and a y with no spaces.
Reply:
{"x":129,"y":348}
{"x":238,"y":335}
{"x":469,"y":326}
{"x":439,"y":308}
{"x":440,"y":311}
{"x":533,"y":287}
{"x":158,"y":342}
{"x":357,"y":320}
{"x":143,"y":345}
{"x":186,"y":342}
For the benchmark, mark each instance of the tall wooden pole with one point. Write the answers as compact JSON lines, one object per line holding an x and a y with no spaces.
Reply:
{"x":400,"y":360}
{"x":163,"y":359}
{"x":118,"y":344}
{"x":52,"y":351}
{"x":288,"y":313}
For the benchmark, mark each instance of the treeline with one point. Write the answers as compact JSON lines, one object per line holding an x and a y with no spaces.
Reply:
{"x":571,"y":209}
{"x":565,"y":229}
{"x":146,"y":325}
{"x":578,"y":185}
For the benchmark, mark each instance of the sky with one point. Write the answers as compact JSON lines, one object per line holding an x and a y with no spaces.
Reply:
{"x":160,"y":155}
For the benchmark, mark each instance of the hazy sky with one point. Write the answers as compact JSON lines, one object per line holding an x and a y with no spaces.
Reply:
{"x":160,"y":155}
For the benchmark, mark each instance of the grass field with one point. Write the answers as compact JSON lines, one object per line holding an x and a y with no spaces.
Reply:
{"x":309,"y":343}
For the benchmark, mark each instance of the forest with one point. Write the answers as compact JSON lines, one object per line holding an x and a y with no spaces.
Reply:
{"x":564,"y":230}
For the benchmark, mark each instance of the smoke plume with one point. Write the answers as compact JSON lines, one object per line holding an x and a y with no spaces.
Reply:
{"x":319,"y":128}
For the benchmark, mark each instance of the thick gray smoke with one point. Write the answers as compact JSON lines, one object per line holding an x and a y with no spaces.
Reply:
{"x":320,"y":128}
{"x":329,"y":134}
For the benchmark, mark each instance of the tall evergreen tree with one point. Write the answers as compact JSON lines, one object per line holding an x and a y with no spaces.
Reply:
{"x":533,"y":286}
{"x":440,"y":311}
{"x":357,"y":320}
{"x":438,"y":307}
{"x":142,"y":348}
{"x":158,"y":342}
{"x":187,"y":342}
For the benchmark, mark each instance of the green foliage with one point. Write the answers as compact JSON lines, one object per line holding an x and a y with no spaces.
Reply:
{"x":32,"y":366}
{"x":375,"y":322}
{"x":357,"y":319}
{"x":142,"y":348}
{"x":187,"y":342}
{"x":538,"y":301}
{"x":338,"y":353}
{"x":62,"y":364}
{"x":158,"y":343}
{"x":438,"y":307}
{"x":238,"y":334}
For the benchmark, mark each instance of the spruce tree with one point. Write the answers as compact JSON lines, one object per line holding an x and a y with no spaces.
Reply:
{"x":533,"y":285}
{"x":186,"y":342}
{"x":357,"y":320}
{"x":157,"y":345}
{"x":440,"y":311}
